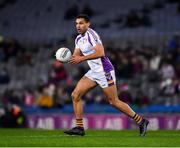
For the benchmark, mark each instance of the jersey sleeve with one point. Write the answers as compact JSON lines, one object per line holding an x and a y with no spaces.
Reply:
{"x":76,"y":45}
{"x":76,"y":42}
{"x":94,"y":38}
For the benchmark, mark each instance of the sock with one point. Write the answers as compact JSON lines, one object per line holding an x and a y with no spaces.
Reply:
{"x":79,"y":123}
{"x":137,"y":118}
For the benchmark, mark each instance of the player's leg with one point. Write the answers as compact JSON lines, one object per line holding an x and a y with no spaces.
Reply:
{"x":83,"y":86}
{"x":111,"y":94}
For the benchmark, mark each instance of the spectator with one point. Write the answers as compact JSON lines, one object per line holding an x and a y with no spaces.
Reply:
{"x":87,"y":10}
{"x":133,"y":20}
{"x":141,"y":99}
{"x":124,"y":93}
{"x":57,"y":73}
{"x":155,"y":61}
{"x":167,"y":71}
{"x":29,"y":98}
{"x":11,"y":97}
{"x":61,"y":97}
{"x":14,"y":117}
{"x":124,"y":67}
{"x":71,"y":12}
{"x":145,"y":20}
{"x":45,"y":100}
{"x":172,"y":44}
{"x":136,"y":65}
{"x":24,"y":58}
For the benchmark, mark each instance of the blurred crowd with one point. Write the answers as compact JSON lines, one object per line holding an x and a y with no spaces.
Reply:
{"x":154,"y":71}
{"x":145,"y":75}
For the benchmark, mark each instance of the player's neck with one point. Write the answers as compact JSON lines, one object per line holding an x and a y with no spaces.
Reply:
{"x":83,"y":34}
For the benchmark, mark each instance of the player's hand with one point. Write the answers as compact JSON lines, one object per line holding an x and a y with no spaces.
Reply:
{"x":76,"y":59}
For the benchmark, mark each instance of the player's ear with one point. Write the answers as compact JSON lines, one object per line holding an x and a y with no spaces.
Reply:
{"x":89,"y":24}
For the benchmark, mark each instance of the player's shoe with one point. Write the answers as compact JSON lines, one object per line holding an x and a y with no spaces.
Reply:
{"x":143,"y":127}
{"x":76,"y":131}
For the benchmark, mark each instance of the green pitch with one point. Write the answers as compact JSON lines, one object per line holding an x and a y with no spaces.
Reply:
{"x":97,"y":138}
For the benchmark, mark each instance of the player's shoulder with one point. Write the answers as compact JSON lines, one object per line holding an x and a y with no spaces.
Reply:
{"x":93,"y":33}
{"x":77,"y":38}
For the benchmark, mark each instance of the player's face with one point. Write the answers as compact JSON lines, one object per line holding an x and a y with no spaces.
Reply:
{"x":81,"y":25}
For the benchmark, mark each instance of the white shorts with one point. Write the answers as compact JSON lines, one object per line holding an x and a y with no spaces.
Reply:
{"x":101,"y":78}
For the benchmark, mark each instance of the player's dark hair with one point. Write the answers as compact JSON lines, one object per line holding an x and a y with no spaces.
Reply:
{"x":84,"y":16}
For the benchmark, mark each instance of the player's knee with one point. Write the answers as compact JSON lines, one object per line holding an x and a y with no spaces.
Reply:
{"x":75,"y":96}
{"x":112,"y":102}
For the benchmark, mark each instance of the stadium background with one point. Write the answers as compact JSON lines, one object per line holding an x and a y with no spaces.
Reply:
{"x":140,"y":37}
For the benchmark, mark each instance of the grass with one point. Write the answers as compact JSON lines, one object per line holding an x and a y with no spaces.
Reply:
{"x":96,"y":138}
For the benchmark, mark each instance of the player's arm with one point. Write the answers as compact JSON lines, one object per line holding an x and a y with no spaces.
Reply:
{"x":76,"y":52}
{"x":99,"y":52}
